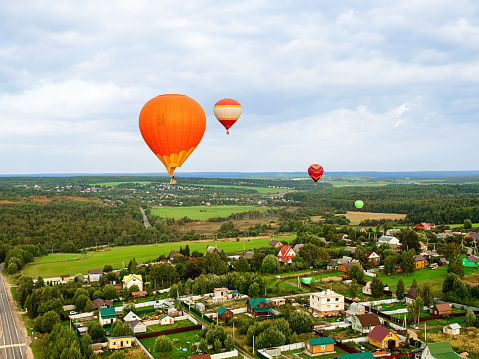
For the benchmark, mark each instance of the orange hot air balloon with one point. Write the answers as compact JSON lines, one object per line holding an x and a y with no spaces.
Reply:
{"x":227,"y":111}
{"x":172,"y":126}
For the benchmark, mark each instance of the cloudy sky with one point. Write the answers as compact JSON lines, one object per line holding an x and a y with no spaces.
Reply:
{"x":352,"y":85}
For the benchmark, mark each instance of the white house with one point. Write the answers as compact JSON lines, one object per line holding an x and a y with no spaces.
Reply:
{"x":137,"y":327}
{"x":130,"y":317}
{"x":326,"y":303}
{"x":389,"y":240}
{"x":166,"y":319}
{"x":94,"y":275}
{"x":286,"y":254}
{"x":131,"y":280}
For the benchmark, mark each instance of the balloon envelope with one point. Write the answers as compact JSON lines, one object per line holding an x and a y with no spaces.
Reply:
{"x":172,"y":127}
{"x":359,"y":204}
{"x":227,"y":112}
{"x":315,"y":172}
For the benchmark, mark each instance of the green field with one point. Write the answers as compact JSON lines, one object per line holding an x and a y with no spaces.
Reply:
{"x":202,"y":212}
{"x":56,"y":264}
{"x":180,"y":341}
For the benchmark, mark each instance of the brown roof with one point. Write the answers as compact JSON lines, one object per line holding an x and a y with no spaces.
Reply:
{"x":347,"y":266}
{"x":368,"y":253}
{"x":97,"y":303}
{"x":173,"y":253}
{"x":379,"y":333}
{"x":412,"y":293}
{"x":419,"y":258}
{"x":141,"y":292}
{"x":95,"y":271}
{"x":134,"y":323}
{"x":273,"y":243}
{"x":368,"y":319}
{"x":65,"y":276}
{"x":443,"y":307}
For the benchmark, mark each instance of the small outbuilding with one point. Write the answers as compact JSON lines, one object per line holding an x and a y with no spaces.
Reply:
{"x":120,"y":342}
{"x":224,"y":313}
{"x":324,"y":345}
{"x":441,"y":309}
{"x":454,"y":329}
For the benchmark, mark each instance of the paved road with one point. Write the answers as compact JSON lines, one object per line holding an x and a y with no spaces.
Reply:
{"x":12,"y":344}
{"x":145,"y":218}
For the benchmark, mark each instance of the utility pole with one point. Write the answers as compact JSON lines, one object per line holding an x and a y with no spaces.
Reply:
{"x":233,"y":330}
{"x":253,"y":344}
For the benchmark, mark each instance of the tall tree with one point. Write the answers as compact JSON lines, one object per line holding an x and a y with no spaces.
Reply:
{"x":410,"y":240}
{"x":400,"y":289}
{"x":377,"y":288}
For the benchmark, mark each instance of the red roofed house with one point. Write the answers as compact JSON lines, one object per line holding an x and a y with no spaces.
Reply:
{"x":286,"y":254}
{"x":383,"y":338}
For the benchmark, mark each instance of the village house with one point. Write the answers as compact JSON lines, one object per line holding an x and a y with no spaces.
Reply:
{"x":441,"y":309}
{"x":411,"y":295}
{"x":275,"y":244}
{"x":172,"y":255}
{"x":221,"y":292}
{"x":344,"y":269}
{"x":442,"y":262}
{"x":64,"y":278}
{"x":364,"y":323}
{"x":247,"y":255}
{"x":470,"y":261}
{"x":173,"y":312}
{"x":140,"y":294}
{"x":94,"y":275}
{"x":100,"y":303}
{"x":350,"y":250}
{"x":319,"y":346}
{"x":471,"y":236}
{"x":372,"y":258}
{"x":367,"y":288}
{"x":258,"y":307}
{"x":332,"y":265}
{"x":420,"y":261}
{"x":137,"y":327}
{"x":355,"y":309}
{"x":298,"y":247}
{"x":120,"y":342}
{"x":107,"y":316}
{"x":224,"y":313}
{"x":233,"y":294}
{"x":424,"y":226}
{"x":422,"y":247}
{"x":397,"y":248}
{"x":278,"y":301}
{"x":392,"y":232}
{"x":318,"y":326}
{"x":211,"y":249}
{"x":286,"y":254}
{"x":454,"y":329}
{"x":441,"y":350}
{"x":141,"y":266}
{"x":388,"y":239}
{"x":166,"y":320}
{"x":326,"y":303}
{"x":130,"y":317}
{"x":133,"y":279}
{"x":383,"y":338}
{"x":360,"y":355}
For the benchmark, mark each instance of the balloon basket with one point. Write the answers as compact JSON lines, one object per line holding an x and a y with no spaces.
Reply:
{"x":172,"y":181}
{"x":227,"y":132}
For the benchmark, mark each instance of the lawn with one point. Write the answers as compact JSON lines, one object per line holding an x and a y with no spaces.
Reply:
{"x":422,"y":275}
{"x":55,"y":264}
{"x":180,"y":341}
{"x":258,"y":189}
{"x":202,"y":212}
{"x":179,"y":324}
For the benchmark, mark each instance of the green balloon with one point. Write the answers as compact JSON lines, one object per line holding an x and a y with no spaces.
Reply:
{"x":359,"y":204}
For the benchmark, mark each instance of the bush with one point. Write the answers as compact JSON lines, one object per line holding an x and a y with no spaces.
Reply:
{"x":163,"y":344}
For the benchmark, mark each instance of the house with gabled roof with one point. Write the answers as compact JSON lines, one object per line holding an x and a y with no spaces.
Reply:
{"x":372,"y":258}
{"x":224,"y":313}
{"x":107,"y":316}
{"x":454,"y":329}
{"x":420,"y":261}
{"x":472,"y":236}
{"x":286,"y":254}
{"x":258,"y":307}
{"x":364,"y":323}
{"x":137,"y":326}
{"x":166,"y":319}
{"x":131,"y":280}
{"x":411,"y":295}
{"x":383,"y":338}
{"x":441,"y":350}
{"x":360,"y":355}
{"x":389,"y":240}
{"x":441,"y":309}
{"x":172,"y":255}
{"x":332,"y":265}
{"x":100,"y":303}
{"x":319,"y":346}
{"x":275,"y":244}
{"x":211,"y":249}
{"x":94,"y":275}
{"x":470,"y":261}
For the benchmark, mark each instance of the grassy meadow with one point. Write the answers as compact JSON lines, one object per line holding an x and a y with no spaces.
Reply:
{"x":113,"y":184}
{"x":202,"y":212}
{"x":56,"y":264}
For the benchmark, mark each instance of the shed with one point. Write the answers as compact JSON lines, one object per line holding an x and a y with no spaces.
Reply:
{"x":324,"y":345}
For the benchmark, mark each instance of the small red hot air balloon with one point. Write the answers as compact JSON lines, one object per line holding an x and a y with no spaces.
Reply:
{"x":227,"y":111}
{"x":315,"y":172}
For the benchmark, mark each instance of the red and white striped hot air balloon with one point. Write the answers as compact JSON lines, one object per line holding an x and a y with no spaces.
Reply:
{"x":227,"y":111}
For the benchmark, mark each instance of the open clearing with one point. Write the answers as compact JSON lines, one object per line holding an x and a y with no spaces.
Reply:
{"x":113,"y":184}
{"x":357,"y":217}
{"x":56,"y":264}
{"x":202,"y":212}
